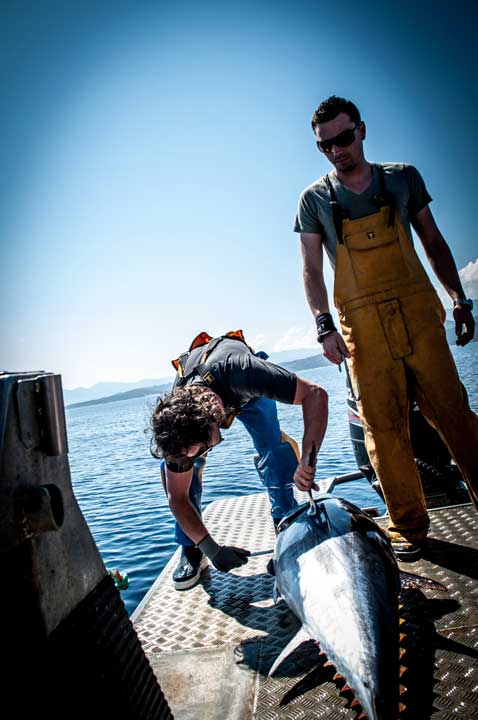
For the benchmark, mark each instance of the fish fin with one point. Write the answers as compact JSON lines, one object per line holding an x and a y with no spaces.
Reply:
{"x":301,"y":636}
{"x":275,"y":594}
{"x":410,"y":581}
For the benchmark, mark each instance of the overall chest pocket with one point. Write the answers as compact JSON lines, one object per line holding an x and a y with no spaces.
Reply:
{"x":376,"y":257}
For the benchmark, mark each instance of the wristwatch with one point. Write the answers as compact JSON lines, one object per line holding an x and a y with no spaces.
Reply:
{"x":466,"y":302}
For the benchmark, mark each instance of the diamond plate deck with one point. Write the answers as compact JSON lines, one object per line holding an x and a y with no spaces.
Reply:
{"x":231,"y":630}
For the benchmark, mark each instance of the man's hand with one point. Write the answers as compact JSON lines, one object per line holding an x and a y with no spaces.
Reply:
{"x":335,"y":347}
{"x":463,"y":316}
{"x":304,"y":476}
{"x":230,"y":557}
{"x":223,"y":557}
{"x":315,"y":409}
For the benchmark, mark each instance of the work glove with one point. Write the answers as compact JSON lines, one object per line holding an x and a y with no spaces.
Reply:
{"x":223,"y":557}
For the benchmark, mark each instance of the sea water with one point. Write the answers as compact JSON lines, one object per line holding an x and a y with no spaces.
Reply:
{"x":116,"y":480}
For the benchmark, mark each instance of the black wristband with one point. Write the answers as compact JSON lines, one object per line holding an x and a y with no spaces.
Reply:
{"x":463,"y":302}
{"x":325,"y":325}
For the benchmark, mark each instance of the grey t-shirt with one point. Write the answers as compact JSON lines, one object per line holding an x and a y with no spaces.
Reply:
{"x":315,"y":216}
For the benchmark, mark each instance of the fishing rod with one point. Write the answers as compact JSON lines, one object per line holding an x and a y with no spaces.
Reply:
{"x":312,"y":463}
{"x":349,"y":380}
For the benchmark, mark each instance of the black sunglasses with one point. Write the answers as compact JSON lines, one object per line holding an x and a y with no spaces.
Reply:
{"x":184,"y":463}
{"x":343,"y":139}
{"x":204,"y":449}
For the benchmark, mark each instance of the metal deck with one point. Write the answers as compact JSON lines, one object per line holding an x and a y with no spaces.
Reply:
{"x":211,"y":646}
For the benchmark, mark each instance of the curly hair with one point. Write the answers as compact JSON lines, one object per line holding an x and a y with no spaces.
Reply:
{"x":333,"y":106}
{"x":183,"y":417}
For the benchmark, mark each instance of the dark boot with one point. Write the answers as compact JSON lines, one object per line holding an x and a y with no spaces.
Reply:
{"x":406,"y":550}
{"x":189,"y":568}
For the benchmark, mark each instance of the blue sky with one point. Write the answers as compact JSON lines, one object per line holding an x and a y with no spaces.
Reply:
{"x":153,"y":154}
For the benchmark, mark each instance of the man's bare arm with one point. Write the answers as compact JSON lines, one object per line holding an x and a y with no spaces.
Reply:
{"x":177,"y":488}
{"x":438,"y":253}
{"x":441,"y":260}
{"x":315,"y":411}
{"x":316,"y":292}
{"x":223,"y":557}
{"x":313,"y":272}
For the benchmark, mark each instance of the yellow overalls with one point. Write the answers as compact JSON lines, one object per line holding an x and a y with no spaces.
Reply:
{"x":392,"y":323}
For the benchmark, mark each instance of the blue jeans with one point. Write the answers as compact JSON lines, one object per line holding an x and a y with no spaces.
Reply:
{"x":275,"y":462}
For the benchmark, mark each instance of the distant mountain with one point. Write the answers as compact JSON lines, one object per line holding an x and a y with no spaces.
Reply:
{"x":155,"y":387}
{"x":284,"y":356}
{"x":307,"y":363}
{"x":105,"y":389}
{"x":138,"y":392}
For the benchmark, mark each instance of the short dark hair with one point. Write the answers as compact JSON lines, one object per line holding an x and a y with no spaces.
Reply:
{"x":333,"y":106}
{"x":183,"y":417}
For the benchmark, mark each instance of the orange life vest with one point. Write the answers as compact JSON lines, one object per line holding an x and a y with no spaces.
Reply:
{"x":204,"y":339}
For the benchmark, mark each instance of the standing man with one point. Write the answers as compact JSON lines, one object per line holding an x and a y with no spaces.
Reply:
{"x":217,"y":380}
{"x":391,"y":319}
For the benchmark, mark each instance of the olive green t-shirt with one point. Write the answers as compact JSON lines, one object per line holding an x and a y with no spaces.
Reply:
{"x":315,"y":216}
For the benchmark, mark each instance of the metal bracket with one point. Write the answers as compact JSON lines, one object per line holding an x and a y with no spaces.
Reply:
{"x":41,"y":414}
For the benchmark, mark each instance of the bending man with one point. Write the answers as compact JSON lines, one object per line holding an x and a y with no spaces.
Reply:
{"x":217,"y":380}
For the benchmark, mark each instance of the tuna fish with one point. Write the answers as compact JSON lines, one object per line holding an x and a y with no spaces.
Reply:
{"x":336,"y":571}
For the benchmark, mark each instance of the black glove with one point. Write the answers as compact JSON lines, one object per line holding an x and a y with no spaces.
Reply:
{"x":223,"y":557}
{"x":229,"y":557}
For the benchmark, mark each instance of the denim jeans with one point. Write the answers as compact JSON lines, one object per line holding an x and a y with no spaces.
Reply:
{"x":275,"y":462}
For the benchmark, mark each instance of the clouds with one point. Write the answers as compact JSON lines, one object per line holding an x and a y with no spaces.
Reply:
{"x":469,"y":280}
{"x":295,"y":338}
{"x":300,"y":337}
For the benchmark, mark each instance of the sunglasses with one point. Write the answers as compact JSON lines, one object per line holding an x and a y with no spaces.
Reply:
{"x":184,"y":463}
{"x":343,"y":139}
{"x":204,"y":449}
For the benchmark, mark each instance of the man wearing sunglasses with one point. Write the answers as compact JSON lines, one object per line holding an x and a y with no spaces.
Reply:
{"x":219,"y":379}
{"x":390,"y":316}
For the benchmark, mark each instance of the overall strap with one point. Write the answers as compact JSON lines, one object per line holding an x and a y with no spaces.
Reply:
{"x":385,"y":197}
{"x":200,"y":369}
{"x":180,"y":364}
{"x":206,"y":375}
{"x":337,"y":210}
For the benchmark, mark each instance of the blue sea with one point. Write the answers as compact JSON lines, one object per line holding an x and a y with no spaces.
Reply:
{"x":117,"y":485}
